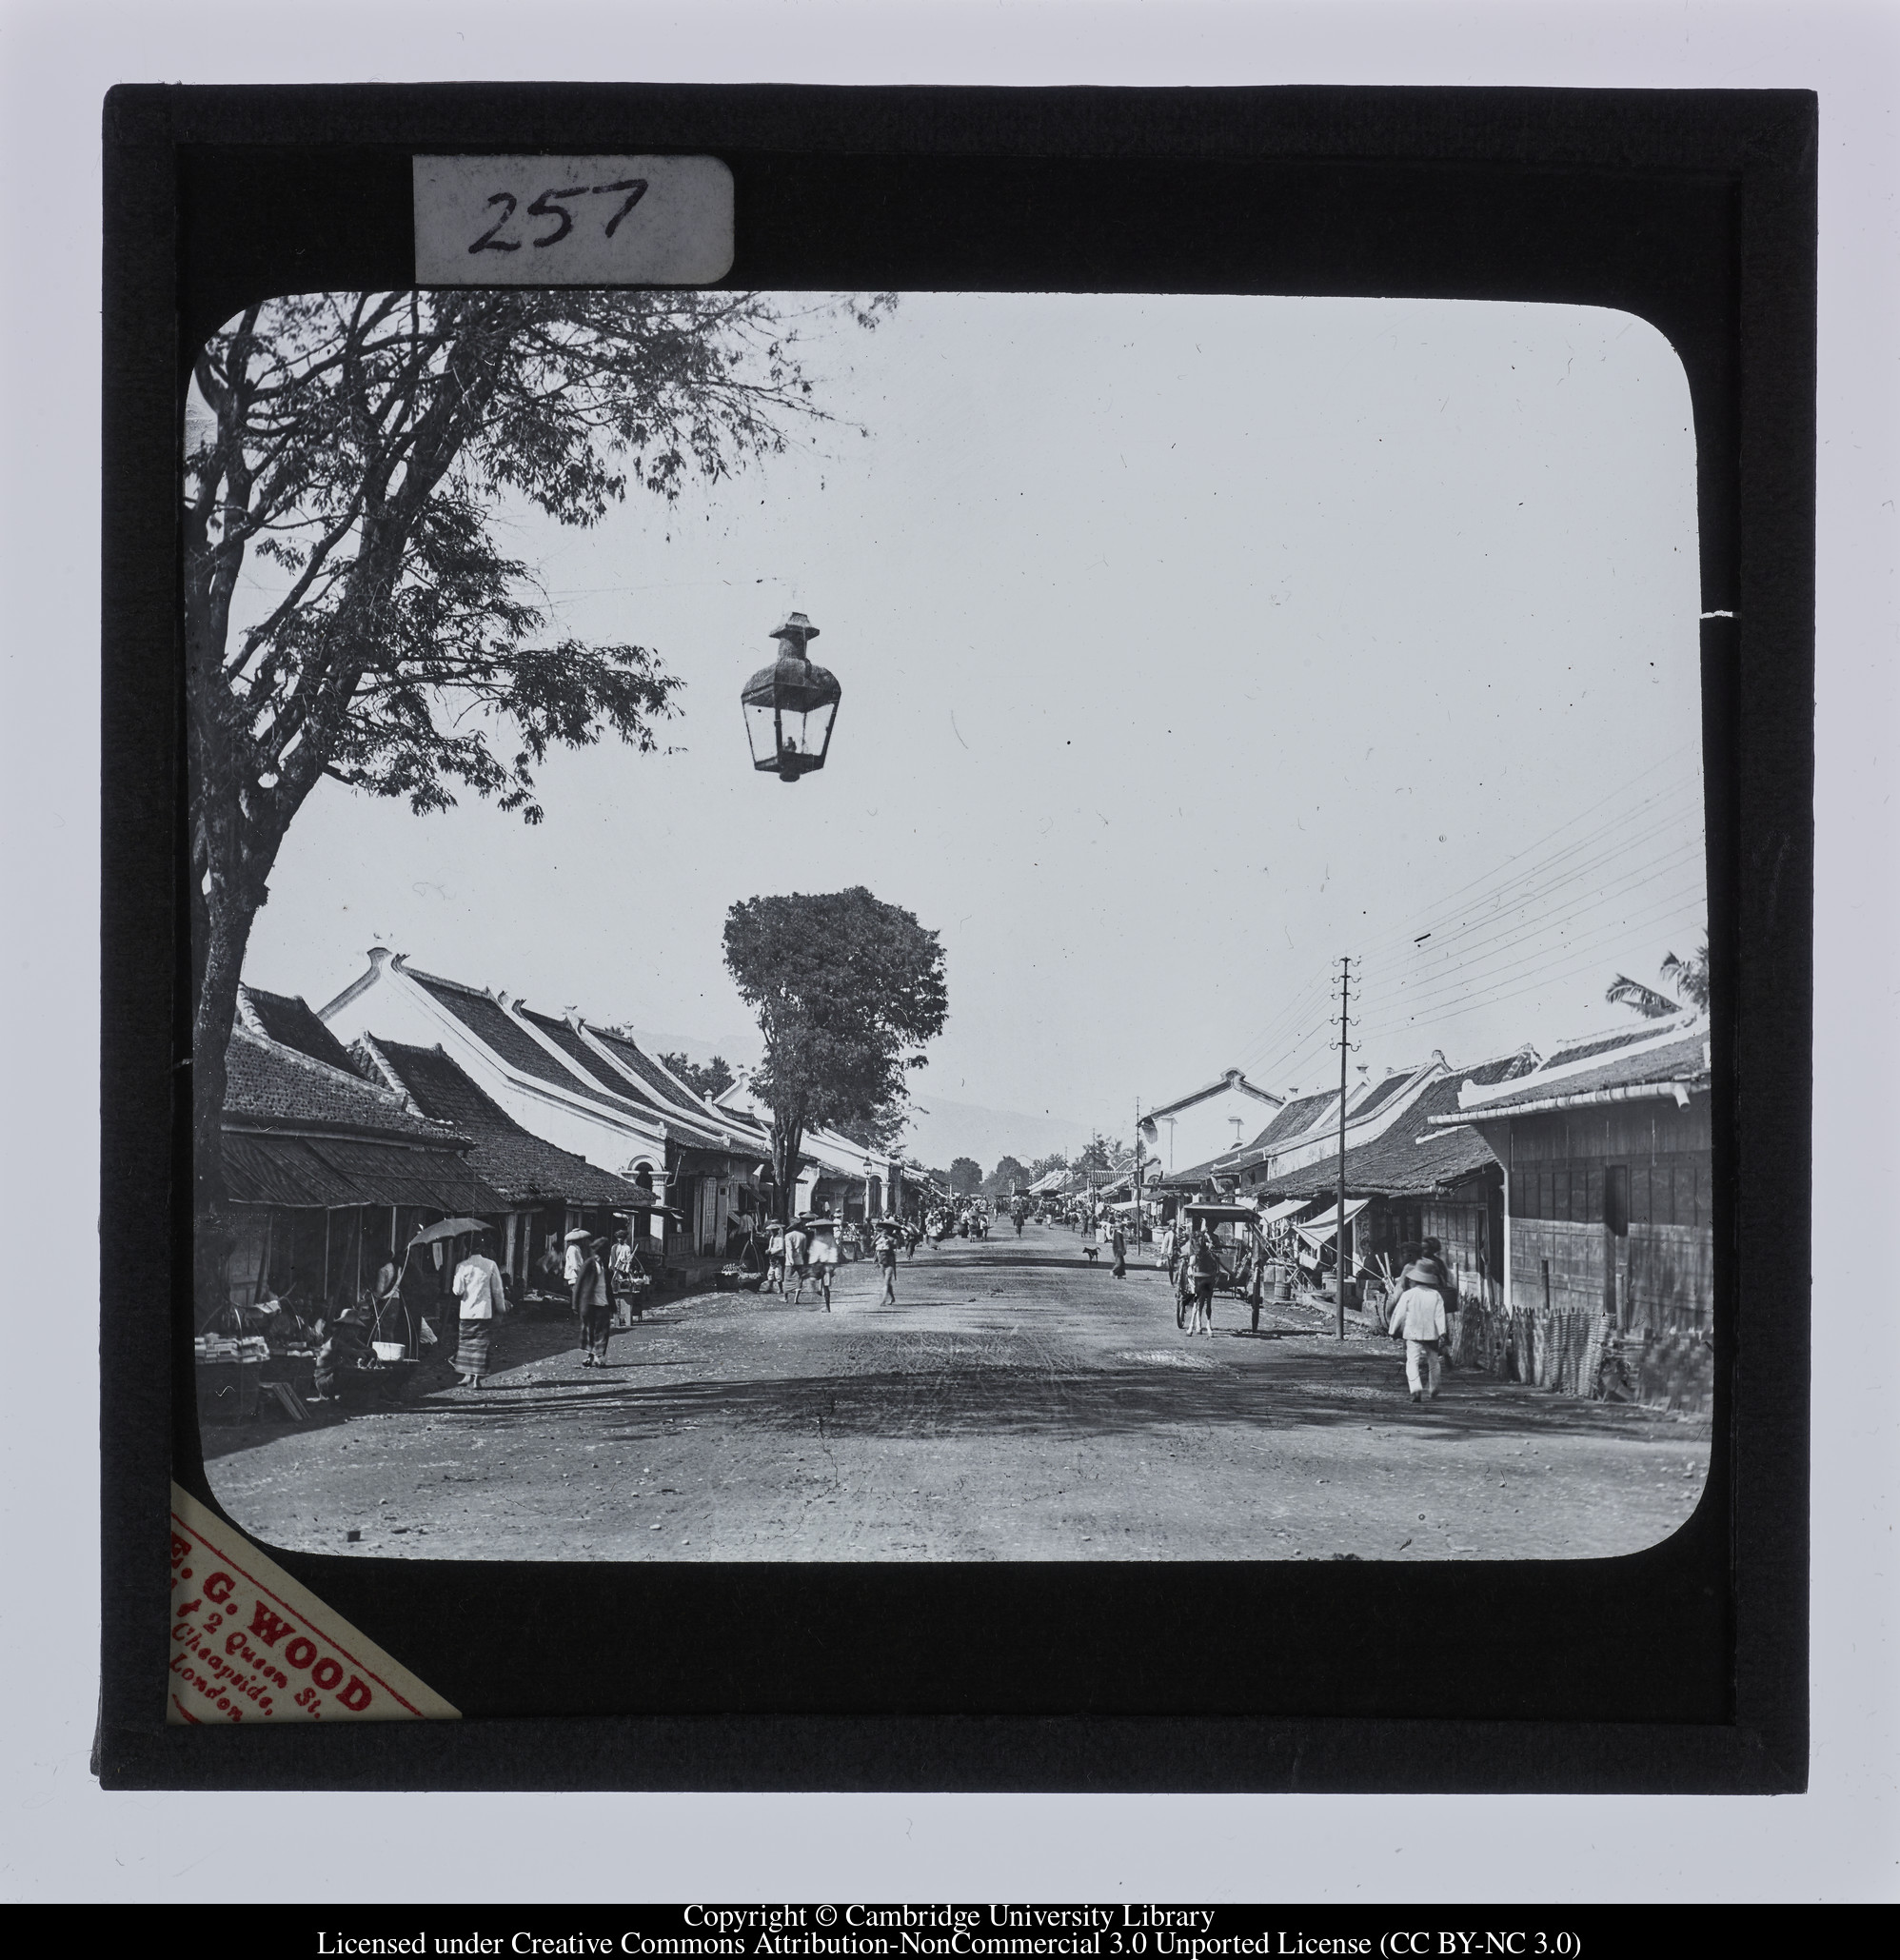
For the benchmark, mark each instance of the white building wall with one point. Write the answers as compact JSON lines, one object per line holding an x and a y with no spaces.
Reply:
{"x":1205,"y":1129}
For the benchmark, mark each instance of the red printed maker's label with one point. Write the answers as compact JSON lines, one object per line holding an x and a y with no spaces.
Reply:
{"x":249,"y":1644}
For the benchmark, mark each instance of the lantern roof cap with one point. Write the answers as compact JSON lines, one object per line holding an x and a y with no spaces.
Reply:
{"x":791,"y":682}
{"x":797,"y":626}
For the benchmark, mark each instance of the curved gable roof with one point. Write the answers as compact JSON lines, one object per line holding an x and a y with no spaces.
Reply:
{"x":293,"y":1023}
{"x":524,"y":1168}
{"x":490,"y":1024}
{"x":277,"y":1087}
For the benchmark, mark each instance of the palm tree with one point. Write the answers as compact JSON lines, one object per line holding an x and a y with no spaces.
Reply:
{"x":1625,"y":992}
{"x":1689,"y":979}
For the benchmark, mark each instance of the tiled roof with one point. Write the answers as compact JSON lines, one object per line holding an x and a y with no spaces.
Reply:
{"x":1397,"y":1165}
{"x":524,"y":1168}
{"x":602,"y":1073}
{"x":490,"y":1024}
{"x":274,"y":1086}
{"x":1601,"y":1044}
{"x":1681,"y":1060}
{"x":1295,"y":1120}
{"x":1489,"y":1072}
{"x":322,"y":1173}
{"x":290,"y":1019}
{"x":642,"y":1064}
{"x":437,"y":1084}
{"x":1383,"y":1094}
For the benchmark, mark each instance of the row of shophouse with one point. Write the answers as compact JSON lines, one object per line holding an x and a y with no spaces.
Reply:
{"x":410,"y":1098}
{"x":1572,"y":1180}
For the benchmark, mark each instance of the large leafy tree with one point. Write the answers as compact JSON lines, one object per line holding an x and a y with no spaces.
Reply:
{"x":1009,"y":1175}
{"x":847,"y":989}
{"x":966,"y":1176}
{"x":711,"y":1079}
{"x":350,"y":609}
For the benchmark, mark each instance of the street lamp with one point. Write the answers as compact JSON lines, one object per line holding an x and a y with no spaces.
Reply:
{"x":790,"y":706}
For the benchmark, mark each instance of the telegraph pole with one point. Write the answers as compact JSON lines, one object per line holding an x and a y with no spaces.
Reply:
{"x":1137,"y":1173}
{"x":1339,"y":1229}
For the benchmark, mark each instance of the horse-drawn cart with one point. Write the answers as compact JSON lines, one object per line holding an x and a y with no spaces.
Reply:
{"x":1245,"y":1265}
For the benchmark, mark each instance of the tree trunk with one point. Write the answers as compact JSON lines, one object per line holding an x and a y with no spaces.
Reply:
{"x":787,"y":1138}
{"x":226,"y":931}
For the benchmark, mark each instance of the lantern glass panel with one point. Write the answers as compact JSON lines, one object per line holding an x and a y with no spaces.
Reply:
{"x":761,"y":733}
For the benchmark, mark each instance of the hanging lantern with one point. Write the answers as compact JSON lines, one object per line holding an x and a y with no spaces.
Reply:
{"x":790,"y":706}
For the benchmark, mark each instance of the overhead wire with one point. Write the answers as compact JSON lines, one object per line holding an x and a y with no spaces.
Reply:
{"x":1469,"y":975}
{"x":1491,"y":919}
{"x":1589,"y":809}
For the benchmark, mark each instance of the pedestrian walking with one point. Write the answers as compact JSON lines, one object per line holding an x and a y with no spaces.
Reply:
{"x":798,"y":1258}
{"x":887,"y":1258}
{"x":823,"y":1254}
{"x":477,"y":1286}
{"x":1448,"y":1288}
{"x":574,"y":1256}
{"x":594,"y":1303}
{"x":1118,"y":1245}
{"x":1418,"y":1319}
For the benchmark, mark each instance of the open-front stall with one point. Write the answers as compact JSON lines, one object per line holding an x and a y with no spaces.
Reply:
{"x":328,"y":1181}
{"x":1317,"y":1252}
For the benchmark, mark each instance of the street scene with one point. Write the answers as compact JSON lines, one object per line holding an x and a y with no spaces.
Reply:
{"x":947,"y":926}
{"x":1016,"y":1402}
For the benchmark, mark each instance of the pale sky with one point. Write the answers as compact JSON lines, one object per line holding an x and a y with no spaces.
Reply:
{"x":1186,"y":643}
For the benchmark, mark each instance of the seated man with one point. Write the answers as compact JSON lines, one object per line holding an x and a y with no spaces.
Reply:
{"x":344,"y":1352}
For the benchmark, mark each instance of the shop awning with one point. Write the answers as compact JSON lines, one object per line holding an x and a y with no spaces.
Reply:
{"x":339,"y":1173}
{"x":1320,"y":1230}
{"x":1275,"y":1213}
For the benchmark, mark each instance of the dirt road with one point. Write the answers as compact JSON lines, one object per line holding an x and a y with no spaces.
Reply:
{"x":1017,"y":1403}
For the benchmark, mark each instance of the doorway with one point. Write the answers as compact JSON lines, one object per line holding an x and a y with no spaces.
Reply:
{"x":1616,"y":1243}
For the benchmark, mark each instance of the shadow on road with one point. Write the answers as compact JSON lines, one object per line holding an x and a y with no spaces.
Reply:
{"x":1022,"y":1399}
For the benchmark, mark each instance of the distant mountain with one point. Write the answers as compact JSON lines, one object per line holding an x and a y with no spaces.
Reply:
{"x":967,"y":1129}
{"x":948,"y":1129}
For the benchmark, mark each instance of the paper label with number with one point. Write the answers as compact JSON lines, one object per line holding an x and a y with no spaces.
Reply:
{"x":572,"y":220}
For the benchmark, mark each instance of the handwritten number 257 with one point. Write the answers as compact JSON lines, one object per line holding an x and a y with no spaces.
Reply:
{"x":548,"y":205}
